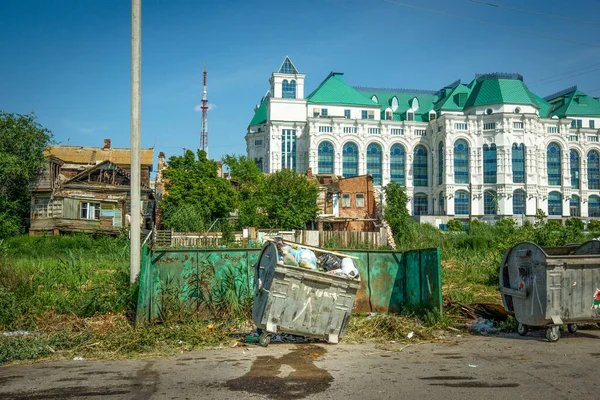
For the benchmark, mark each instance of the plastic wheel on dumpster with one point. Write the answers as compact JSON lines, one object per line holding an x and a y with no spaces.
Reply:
{"x":264,"y":339}
{"x":572,"y":328}
{"x":553,"y":333}
{"x":522,"y":329}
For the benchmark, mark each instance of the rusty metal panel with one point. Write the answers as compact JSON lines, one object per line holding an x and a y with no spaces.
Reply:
{"x":389,"y":279}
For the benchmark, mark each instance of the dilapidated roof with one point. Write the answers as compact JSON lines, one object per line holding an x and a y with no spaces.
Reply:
{"x":93,"y":155}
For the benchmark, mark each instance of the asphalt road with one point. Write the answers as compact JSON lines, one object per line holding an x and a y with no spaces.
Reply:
{"x":470,"y":367}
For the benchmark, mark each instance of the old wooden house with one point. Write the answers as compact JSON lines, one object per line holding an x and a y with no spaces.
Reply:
{"x":88,"y":190}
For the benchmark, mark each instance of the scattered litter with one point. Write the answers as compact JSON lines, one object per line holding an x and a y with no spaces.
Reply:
{"x":315,"y":354}
{"x":51,"y":349}
{"x":19,"y":333}
{"x":410,"y":335}
{"x":78,"y":358}
{"x":251,"y":339}
{"x":179,"y":342}
{"x":249,"y":348}
{"x":211,"y":326}
{"x":472,"y":366}
{"x":482,"y":325}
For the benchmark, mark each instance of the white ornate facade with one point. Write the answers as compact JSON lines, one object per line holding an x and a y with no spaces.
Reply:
{"x":491,"y":142}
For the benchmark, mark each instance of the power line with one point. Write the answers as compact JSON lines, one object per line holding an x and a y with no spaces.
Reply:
{"x":535,"y":12}
{"x":508,"y":28}
{"x":565,"y":73}
{"x":564,"y":77}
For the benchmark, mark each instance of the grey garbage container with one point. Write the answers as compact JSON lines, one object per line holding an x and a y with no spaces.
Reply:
{"x":299,"y":301}
{"x":551,"y":286}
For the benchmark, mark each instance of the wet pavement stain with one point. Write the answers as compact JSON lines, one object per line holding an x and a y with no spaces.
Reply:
{"x":64,"y":393}
{"x":448,"y":378}
{"x":476,"y":384}
{"x":291,"y":376}
{"x":7,"y":378}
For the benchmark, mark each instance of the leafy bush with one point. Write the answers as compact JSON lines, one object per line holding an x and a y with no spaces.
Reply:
{"x":593,"y":225}
{"x":455,"y":225}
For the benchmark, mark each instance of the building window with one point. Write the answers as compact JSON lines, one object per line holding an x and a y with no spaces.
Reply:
{"x":489,"y":111}
{"x":490,"y":163}
{"x":394,"y":131}
{"x":460,"y":126}
{"x":288,"y":89}
{"x":420,"y":204}
{"x":420,"y":175}
{"x":349,"y":130}
{"x":345,"y":200}
{"x":593,"y":170}
{"x":374,"y":131}
{"x":519,"y":202}
{"x":554,"y":203}
{"x":517,"y":125}
{"x":420,"y":132}
{"x":518,"y":163}
{"x":488,"y":126}
{"x":490,"y":203}
{"x":440,"y":163}
{"x":461,"y":202}
{"x":388,"y":115}
{"x":316,"y":112}
{"x":441,"y":202}
{"x":364,"y":114}
{"x":552,"y":129}
{"x":258,"y":142}
{"x":573,"y":138}
{"x":360,"y":200}
{"x":89,"y":210}
{"x":592,"y":139}
{"x":347,"y":114}
{"x":517,"y":110}
{"x":367,"y":114}
{"x":410,"y":116}
{"x":350,"y":160}
{"x":432,"y":115}
{"x":553,"y":164}
{"x":323,"y":112}
{"x":592,"y":124}
{"x":259,"y":163}
{"x":288,"y":149}
{"x":574,"y":156}
{"x":577,"y":123}
{"x":397,"y":164}
{"x":325,"y":129}
{"x":594,"y":206}
{"x":461,"y":162}
{"x":575,"y":206}
{"x":325,"y":156}
{"x":374,"y":162}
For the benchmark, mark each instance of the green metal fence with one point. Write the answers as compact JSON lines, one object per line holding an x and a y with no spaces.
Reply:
{"x":176,"y":279}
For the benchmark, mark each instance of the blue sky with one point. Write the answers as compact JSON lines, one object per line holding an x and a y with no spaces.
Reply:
{"x":69,"y":60}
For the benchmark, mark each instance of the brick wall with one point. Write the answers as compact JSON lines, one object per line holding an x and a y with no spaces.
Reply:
{"x":358,"y":185}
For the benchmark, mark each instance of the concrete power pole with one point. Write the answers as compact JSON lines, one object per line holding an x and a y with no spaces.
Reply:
{"x":136,"y":53}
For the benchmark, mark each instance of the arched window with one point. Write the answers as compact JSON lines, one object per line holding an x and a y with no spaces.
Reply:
{"x":441,"y":202}
{"x":553,"y":163}
{"x":594,"y":206}
{"x":461,"y":161}
{"x":593,"y":170}
{"x":420,"y":167}
{"x":288,"y":89}
{"x":574,"y":169}
{"x":489,"y":163}
{"x":490,"y":203}
{"x":420,"y":204}
{"x":325,"y":158}
{"x":374,"y":162}
{"x":575,"y":206}
{"x":350,"y":160}
{"x":554,"y":203}
{"x":397,"y":164}
{"x":519,"y":202}
{"x":440,"y":163}
{"x":518,"y":163}
{"x":461,"y":202}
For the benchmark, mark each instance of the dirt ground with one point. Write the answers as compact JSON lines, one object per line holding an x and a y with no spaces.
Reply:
{"x":464,"y":367}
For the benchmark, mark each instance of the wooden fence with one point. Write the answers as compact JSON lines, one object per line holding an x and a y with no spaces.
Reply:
{"x":336,"y":239}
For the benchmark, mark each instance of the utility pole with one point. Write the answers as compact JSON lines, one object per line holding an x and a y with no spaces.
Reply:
{"x":470,"y":205}
{"x":136,"y":53}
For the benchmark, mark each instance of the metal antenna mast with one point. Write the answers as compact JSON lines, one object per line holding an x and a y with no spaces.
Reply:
{"x":204,"y":107}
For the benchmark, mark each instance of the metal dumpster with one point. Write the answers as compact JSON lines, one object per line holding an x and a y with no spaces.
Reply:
{"x":551,"y":286}
{"x":299,"y":301}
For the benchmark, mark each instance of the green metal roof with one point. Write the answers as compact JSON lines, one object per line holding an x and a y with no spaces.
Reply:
{"x":260,"y":116}
{"x":450,"y":102}
{"x":385,"y":96}
{"x":333,"y":90}
{"x":488,"y":91}
{"x":575,"y":103}
{"x":542,"y":104}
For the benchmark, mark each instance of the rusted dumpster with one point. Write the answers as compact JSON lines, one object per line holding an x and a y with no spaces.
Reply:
{"x":299,"y":301}
{"x":548,"y":287}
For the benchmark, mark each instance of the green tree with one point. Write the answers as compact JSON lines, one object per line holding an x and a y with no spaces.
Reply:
{"x":22,"y":144}
{"x":195,"y":192}
{"x":289,"y":200}
{"x":251,"y":182}
{"x":396,"y":213}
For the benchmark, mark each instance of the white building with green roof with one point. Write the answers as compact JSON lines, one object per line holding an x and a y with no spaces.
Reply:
{"x":491,"y":146}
